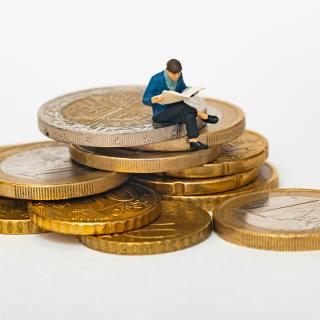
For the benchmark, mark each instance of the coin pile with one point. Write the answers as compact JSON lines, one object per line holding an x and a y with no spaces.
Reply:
{"x":126,"y":185}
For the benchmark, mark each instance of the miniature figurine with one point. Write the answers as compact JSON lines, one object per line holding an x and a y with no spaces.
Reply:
{"x":171,"y":79}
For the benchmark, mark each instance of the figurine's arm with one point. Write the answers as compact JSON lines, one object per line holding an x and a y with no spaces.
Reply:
{"x":183,"y":85}
{"x":150,"y":92}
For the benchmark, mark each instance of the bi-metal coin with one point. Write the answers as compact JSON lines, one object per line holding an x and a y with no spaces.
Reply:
{"x":179,"y":226}
{"x":45,"y":171}
{"x":107,"y":117}
{"x":283,"y":219}
{"x":128,"y":207}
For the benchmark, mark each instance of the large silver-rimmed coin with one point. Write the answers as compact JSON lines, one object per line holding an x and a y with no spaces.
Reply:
{"x":107,"y":117}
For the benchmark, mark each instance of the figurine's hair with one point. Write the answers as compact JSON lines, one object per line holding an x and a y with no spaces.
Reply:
{"x":174,"y":66}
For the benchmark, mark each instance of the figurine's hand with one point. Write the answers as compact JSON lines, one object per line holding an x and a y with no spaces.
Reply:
{"x":156,"y":99}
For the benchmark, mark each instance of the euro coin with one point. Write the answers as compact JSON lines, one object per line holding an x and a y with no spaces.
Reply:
{"x":283,"y":219}
{"x":267,"y":179}
{"x":45,"y":171}
{"x":122,"y":209}
{"x":179,"y":226}
{"x":134,"y":161}
{"x":106,"y":117}
{"x":248,"y":151}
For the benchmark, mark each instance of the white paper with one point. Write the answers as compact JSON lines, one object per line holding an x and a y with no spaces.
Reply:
{"x":174,"y":96}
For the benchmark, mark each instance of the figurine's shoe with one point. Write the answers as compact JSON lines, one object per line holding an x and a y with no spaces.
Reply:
{"x":198,"y":146}
{"x":211,"y":119}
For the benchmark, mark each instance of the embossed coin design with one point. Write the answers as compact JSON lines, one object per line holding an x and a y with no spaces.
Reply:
{"x":248,"y":151}
{"x":267,"y":179}
{"x":179,"y":186}
{"x":15,"y":218}
{"x":106,"y":117}
{"x":230,"y":126}
{"x":45,"y":171}
{"x":179,"y":226}
{"x":128,"y":207}
{"x":125,"y":160}
{"x":283,"y":219}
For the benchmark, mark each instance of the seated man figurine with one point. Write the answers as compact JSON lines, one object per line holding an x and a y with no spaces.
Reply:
{"x":178,"y":112}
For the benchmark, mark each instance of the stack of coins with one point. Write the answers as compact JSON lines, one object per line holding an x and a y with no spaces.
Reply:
{"x":122,"y":183}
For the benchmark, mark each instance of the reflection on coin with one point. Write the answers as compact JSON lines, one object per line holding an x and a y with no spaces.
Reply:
{"x":178,"y":186}
{"x":45,"y":171}
{"x":128,"y":207}
{"x":283,"y":219}
{"x":267,"y":179}
{"x":179,"y":226}
{"x":248,"y":151}
{"x":106,"y":117}
{"x":125,"y":160}
{"x":230,"y":126}
{"x":15,"y":218}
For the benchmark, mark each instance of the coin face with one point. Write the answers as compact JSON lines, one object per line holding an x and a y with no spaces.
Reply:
{"x":106,"y":117}
{"x":180,"y":225}
{"x":15,"y":218}
{"x":248,"y":151}
{"x":180,"y":186}
{"x":125,"y":208}
{"x":230,"y":126}
{"x":267,"y":179}
{"x":45,"y":170}
{"x":132,"y":161}
{"x":283,"y":219}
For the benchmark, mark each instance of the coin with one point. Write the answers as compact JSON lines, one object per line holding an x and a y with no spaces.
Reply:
{"x":106,"y":117}
{"x":44,"y":171}
{"x":248,"y":151}
{"x":179,"y":186}
{"x":15,"y":218}
{"x":125,"y":160}
{"x":179,"y":226}
{"x":128,"y":207}
{"x":283,"y":219}
{"x":267,"y":179}
{"x":230,"y":126}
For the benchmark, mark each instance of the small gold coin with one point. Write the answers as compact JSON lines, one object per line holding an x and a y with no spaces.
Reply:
{"x":283,"y":219}
{"x":267,"y":179}
{"x":179,"y":226}
{"x":125,"y":160}
{"x":45,"y":171}
{"x":230,"y":126}
{"x":15,"y":218}
{"x":178,"y":186}
{"x":248,"y":151}
{"x":128,"y":207}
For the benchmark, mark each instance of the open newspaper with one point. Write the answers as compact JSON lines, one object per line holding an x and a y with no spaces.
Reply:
{"x":174,"y":96}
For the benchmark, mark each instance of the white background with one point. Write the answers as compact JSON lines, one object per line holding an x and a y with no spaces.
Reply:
{"x":262,"y":55}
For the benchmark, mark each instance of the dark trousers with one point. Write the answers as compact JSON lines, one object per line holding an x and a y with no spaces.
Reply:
{"x":180,"y":112}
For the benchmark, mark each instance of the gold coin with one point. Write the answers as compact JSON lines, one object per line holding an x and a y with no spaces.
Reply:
{"x":15,"y":218}
{"x":248,"y":151}
{"x":179,"y":226}
{"x":230,"y":126}
{"x":128,"y":207}
{"x":283,"y":219}
{"x":44,"y":171}
{"x":178,"y":186}
{"x":125,"y":160}
{"x":106,"y":117}
{"x":267,"y":179}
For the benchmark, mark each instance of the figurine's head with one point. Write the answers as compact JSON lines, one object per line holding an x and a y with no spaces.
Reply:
{"x":174,"y":69}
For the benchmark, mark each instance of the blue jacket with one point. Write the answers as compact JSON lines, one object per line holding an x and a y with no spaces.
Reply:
{"x":155,"y":87}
